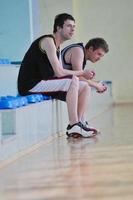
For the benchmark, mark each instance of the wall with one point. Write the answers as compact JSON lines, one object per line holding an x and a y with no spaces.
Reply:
{"x":49,"y":9}
{"x":14,"y":28}
{"x":111,"y":20}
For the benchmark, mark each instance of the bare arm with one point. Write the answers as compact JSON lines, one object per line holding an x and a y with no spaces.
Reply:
{"x":76,"y":59}
{"x":100,"y":87}
{"x":48,"y":45}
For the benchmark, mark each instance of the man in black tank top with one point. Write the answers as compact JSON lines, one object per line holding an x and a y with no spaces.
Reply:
{"x":42,"y":72}
{"x":74,"y":57}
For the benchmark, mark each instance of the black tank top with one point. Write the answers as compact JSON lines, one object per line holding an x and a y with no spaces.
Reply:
{"x":35,"y":67}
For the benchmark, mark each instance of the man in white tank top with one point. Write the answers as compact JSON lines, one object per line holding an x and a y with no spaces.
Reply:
{"x":75,"y":56}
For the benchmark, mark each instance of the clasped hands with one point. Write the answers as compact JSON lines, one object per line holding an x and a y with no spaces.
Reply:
{"x":89,"y":74}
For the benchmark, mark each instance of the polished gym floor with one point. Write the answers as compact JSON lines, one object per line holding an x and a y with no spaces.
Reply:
{"x":100,"y":168}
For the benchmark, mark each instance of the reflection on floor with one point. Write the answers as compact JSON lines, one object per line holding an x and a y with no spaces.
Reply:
{"x":65,"y":169}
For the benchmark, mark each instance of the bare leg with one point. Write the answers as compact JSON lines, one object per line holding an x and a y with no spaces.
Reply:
{"x":83,"y":100}
{"x":72,"y":100}
{"x":77,"y":101}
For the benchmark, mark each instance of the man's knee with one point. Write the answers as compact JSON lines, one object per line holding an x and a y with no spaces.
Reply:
{"x":85,"y":87}
{"x":75,"y":81}
{"x":83,"y":84}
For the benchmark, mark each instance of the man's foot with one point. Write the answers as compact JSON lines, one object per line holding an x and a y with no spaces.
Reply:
{"x":78,"y":130}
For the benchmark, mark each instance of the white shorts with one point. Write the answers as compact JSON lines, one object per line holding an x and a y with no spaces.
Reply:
{"x":56,"y":87}
{"x":52,"y":85}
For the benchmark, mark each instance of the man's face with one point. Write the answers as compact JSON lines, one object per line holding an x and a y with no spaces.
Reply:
{"x":95,"y":55}
{"x":68,"y":29}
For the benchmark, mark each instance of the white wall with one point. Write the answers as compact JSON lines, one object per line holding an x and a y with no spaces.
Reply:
{"x":112,"y":20}
{"x":49,"y":9}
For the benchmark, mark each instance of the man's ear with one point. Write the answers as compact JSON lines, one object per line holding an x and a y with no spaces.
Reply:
{"x":91,"y":48}
{"x":58,"y":28}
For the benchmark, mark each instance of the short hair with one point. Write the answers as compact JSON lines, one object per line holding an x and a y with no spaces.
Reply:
{"x":60,"y":19}
{"x":97,"y":43}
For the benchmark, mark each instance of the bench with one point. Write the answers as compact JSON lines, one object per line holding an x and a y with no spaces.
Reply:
{"x":26,"y":121}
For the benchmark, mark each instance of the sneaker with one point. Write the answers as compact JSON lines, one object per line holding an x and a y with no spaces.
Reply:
{"x":87,"y":127}
{"x":74,"y":130}
{"x":77,"y":130}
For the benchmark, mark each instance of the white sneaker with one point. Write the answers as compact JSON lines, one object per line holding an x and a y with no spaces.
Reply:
{"x":87,"y":127}
{"x":77,"y":130}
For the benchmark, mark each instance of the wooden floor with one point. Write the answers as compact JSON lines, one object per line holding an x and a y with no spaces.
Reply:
{"x":80,"y":169}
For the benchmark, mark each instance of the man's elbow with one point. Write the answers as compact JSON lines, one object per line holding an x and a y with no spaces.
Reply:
{"x":60,"y":73}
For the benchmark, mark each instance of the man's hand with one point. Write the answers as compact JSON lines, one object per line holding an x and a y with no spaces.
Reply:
{"x":89,"y":74}
{"x":101,"y":87}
